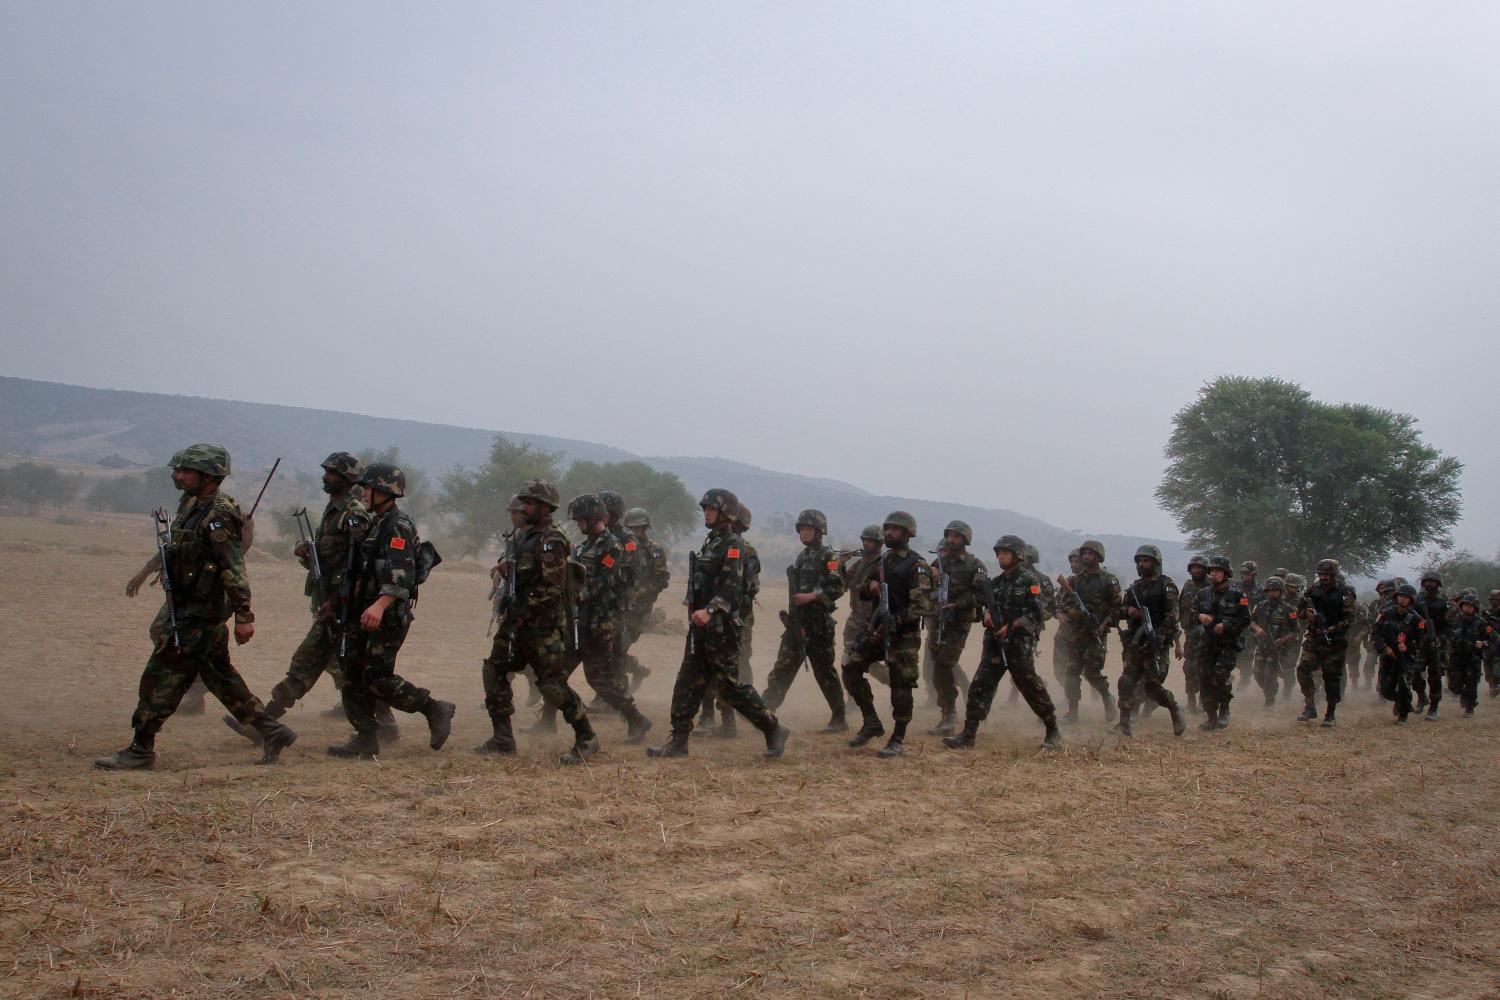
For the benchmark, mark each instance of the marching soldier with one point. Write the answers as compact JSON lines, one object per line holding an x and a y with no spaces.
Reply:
{"x":815,"y":587}
{"x":902,"y":588}
{"x":1329,"y":607}
{"x":1091,"y":603}
{"x":204,"y":583}
{"x":958,"y":597}
{"x":711,"y":661}
{"x":1190,"y":639}
{"x":1398,"y":633}
{"x":1223,"y":612}
{"x":727,"y":729}
{"x":1150,"y":610}
{"x":1249,"y":570}
{"x":1440,"y":613}
{"x":1274,"y":626}
{"x":1471,"y":640}
{"x":653,"y":577}
{"x":1492,"y":658}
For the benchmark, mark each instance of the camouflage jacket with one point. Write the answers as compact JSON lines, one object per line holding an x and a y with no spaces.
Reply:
{"x":1403,"y":631}
{"x":541,"y":555}
{"x":388,"y":559}
{"x":816,"y":571}
{"x":1473,"y":639}
{"x":719,"y":573}
{"x":654,"y":577}
{"x":206,"y":560}
{"x":345,"y":522}
{"x":1049,"y":592}
{"x":1278,"y":620}
{"x":1100,"y":591}
{"x":908,"y":580}
{"x":858,"y":570}
{"x":1439,"y":612}
{"x":1331,"y":610}
{"x":1159,"y":597}
{"x":1227,"y":607}
{"x":1187,"y":606}
{"x":1492,"y":616}
{"x":966,"y":579}
{"x":604,"y":590}
{"x":752,"y":582}
{"x":1015,"y":593}
{"x":631,"y":556}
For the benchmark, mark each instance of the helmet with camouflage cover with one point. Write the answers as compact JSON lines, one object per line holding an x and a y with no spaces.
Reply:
{"x":587,"y":507}
{"x":1280,"y":571}
{"x":614,"y":504}
{"x":515,"y":506}
{"x":1495,"y":595}
{"x":1406,"y":590}
{"x":1221,"y":562}
{"x":1011,"y":543}
{"x":637,"y":517}
{"x":1275,"y":583}
{"x":1096,"y":545}
{"x":209,"y":459}
{"x":385,"y":477}
{"x":813,"y":519}
{"x":1330,"y":566}
{"x":721,"y":500}
{"x":1033,"y":555}
{"x":1432,"y":575}
{"x":1385,"y":585}
{"x":962,"y":530}
{"x":1150,"y":552}
{"x":1296,"y":580}
{"x":742,"y":516}
{"x":542,"y":492}
{"x":1249,"y":566}
{"x":341,"y":463}
{"x":1469,"y":598}
{"x":871,"y":533}
{"x":901,"y":519}
{"x":1198,"y":560}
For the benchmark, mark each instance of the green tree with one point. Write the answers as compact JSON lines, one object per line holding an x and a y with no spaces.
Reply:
{"x":475,"y":500}
{"x":136,"y":493}
{"x":672,"y":508}
{"x":1461,"y":568}
{"x":1259,"y":469}
{"x":31,"y":485}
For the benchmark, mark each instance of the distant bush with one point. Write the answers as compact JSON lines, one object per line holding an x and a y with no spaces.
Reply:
{"x":132,"y":494}
{"x":30,"y":485}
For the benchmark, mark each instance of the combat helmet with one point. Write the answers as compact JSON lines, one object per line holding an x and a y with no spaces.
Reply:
{"x":542,"y":492}
{"x":1296,"y":580}
{"x":1327,"y":566}
{"x":1033,"y":556}
{"x":1406,"y":590}
{"x":1385,"y":585}
{"x":813,"y":519}
{"x":516,"y":506}
{"x":1150,"y":552}
{"x":871,"y":533}
{"x":1249,"y":566}
{"x":1275,"y":583}
{"x":587,"y":507}
{"x":1432,"y":575}
{"x":341,"y":463}
{"x":385,"y":477}
{"x":721,"y":500}
{"x":637,"y":517}
{"x":962,"y":530}
{"x":1096,"y":545}
{"x":901,"y":519}
{"x":742,"y":516}
{"x":1013,"y":544}
{"x":1198,"y":560}
{"x":614,"y":504}
{"x":1470,"y":599}
{"x":209,"y":459}
{"x":1495,"y":595}
{"x":1223,"y":563}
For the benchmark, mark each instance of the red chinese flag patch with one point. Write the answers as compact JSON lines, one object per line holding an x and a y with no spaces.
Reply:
{"x":1245,"y":601}
{"x":732,"y":554}
{"x":398,"y":542}
{"x":1035,"y":589}
{"x":630,"y":546}
{"x":608,"y":561}
{"x":1294,"y":616}
{"x":833,"y":565}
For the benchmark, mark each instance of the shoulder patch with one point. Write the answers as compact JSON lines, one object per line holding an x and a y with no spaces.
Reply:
{"x":630,"y":546}
{"x":608,"y":561}
{"x":1245,"y":601}
{"x":732,"y":554}
{"x":1294,"y":615}
{"x":833,"y":565}
{"x":397,"y":542}
{"x":1036,"y":588}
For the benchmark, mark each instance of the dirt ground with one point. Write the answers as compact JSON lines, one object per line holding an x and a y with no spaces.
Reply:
{"x":1273,"y":860}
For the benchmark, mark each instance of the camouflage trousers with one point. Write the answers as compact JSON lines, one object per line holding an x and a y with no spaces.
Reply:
{"x":1018,"y":660}
{"x":192,"y":701}
{"x":544,"y":650}
{"x":745,"y":672}
{"x":1326,"y":658}
{"x":1085,"y":661}
{"x":632,"y":626}
{"x":1192,"y":664}
{"x":1354,"y":656}
{"x":317,"y":654}
{"x":1272,"y":663}
{"x":940,"y":663}
{"x":1465,"y":667}
{"x":370,"y":678}
{"x":1145,"y":671}
{"x":170,"y":671}
{"x":903,"y":667}
{"x":1492,"y":668}
{"x":711,"y":668}
{"x":604,"y":670}
{"x":814,"y":646}
{"x":1427,"y":675}
{"x":1395,"y":682}
{"x":1217,"y":660}
{"x":853,"y":632}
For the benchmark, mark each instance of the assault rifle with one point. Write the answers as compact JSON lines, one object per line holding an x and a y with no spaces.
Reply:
{"x":792,"y":616}
{"x":1148,"y":628}
{"x":500,"y":591}
{"x":350,"y":592}
{"x":882,"y":619}
{"x":692,"y":602}
{"x":163,"y":525}
{"x":942,"y":600}
{"x":305,"y":534}
{"x":998,"y":621}
{"x":1067,"y":588}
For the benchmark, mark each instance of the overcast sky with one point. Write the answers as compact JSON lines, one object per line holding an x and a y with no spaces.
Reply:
{"x":978,"y":252}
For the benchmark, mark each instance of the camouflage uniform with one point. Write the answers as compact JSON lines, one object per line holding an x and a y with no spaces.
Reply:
{"x":1148,"y":660}
{"x":1099,"y":591}
{"x":600,"y":608}
{"x":535,"y":630}
{"x":1225,"y":606}
{"x":1275,"y":642}
{"x":1470,"y":640}
{"x":1256,"y":593}
{"x":1192,"y":630}
{"x":1492,"y":658}
{"x":749,"y":594}
{"x":1433,"y":657}
{"x":808,"y":633}
{"x":948,"y":629}
{"x":205,"y":567}
{"x":908,"y":580}
{"x":1401,"y":632}
{"x":653,"y":576}
{"x":1013,"y":596}
{"x":1329,"y":611}
{"x":1372,"y":650}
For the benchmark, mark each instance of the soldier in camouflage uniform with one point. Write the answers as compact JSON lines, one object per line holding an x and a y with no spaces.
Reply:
{"x":711,"y":661}
{"x":1492,"y":658}
{"x":1152,"y":599}
{"x":632,"y":569}
{"x":1249,"y":570}
{"x":205,"y":569}
{"x":653,"y":576}
{"x":1062,"y":647}
{"x":535,"y":631}
{"x":387,"y":570}
{"x":727,"y":729}
{"x":1296,"y":586}
{"x":1190,"y":640}
{"x":895,"y":636}
{"x":1398,"y":632}
{"x":600,"y":606}
{"x":963,"y":577}
{"x":1013,"y":616}
{"x":815,"y":586}
{"x":858,"y":568}
{"x":1091,"y":604}
{"x":1223,"y":613}
{"x":1384,"y":593}
{"x":1032,"y":562}
{"x":1471,"y":640}
{"x":342,"y":525}
{"x":1440,"y":613}
{"x":1328,"y":611}
{"x":1273,"y":624}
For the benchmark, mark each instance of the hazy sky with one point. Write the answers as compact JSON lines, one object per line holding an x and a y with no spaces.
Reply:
{"x":979,"y":252}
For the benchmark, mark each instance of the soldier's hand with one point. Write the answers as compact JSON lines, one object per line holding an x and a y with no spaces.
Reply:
{"x":873,"y":588}
{"x":1177,"y":649}
{"x":243,"y":632}
{"x":1205,"y":619}
{"x":497,"y":572}
{"x":1219,"y":629}
{"x":802,"y":600}
{"x":1133,"y":612}
{"x":700,"y":617}
{"x":302,"y":550}
{"x":133,"y":585}
{"x":989,"y":621}
{"x":325,"y":611}
{"x":375,"y":613}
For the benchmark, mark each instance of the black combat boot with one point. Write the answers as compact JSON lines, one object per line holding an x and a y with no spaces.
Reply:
{"x":707,"y":718}
{"x":1223,"y":722}
{"x":1109,"y":707}
{"x":1210,"y":723}
{"x":274,"y":738}
{"x":1328,"y":719}
{"x":585,"y":744}
{"x":1179,"y":724}
{"x":1468,"y":711}
{"x":1309,"y":713}
{"x":545,"y":723}
{"x":867,"y":732}
{"x":892,"y":748}
{"x":638,"y":728}
{"x":776,"y":741}
{"x":638,"y":674}
{"x":246,"y":731}
{"x":140,"y":755}
{"x":503,"y":742}
{"x":1123,"y":728}
{"x":676,"y":746}
{"x":439,"y":721}
{"x":964,"y":740}
{"x":386,"y":729}
{"x":1052,"y":740}
{"x":1070,"y":717}
{"x":837,"y":722}
{"x":1431,"y":715}
{"x":947,"y":725}
{"x":361,"y":746}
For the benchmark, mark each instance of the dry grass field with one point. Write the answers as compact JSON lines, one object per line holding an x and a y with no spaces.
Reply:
{"x":1270,"y":861}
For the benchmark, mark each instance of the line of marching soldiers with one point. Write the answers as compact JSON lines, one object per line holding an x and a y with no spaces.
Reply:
{"x":558,"y":605}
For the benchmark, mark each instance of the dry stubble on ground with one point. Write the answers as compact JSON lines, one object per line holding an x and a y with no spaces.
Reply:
{"x":1271,"y":861}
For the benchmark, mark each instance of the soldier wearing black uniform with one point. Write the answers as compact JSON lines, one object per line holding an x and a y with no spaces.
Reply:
{"x":1223,"y":613}
{"x":1398,"y":633}
{"x":1440,"y":613}
{"x":1149,"y":612}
